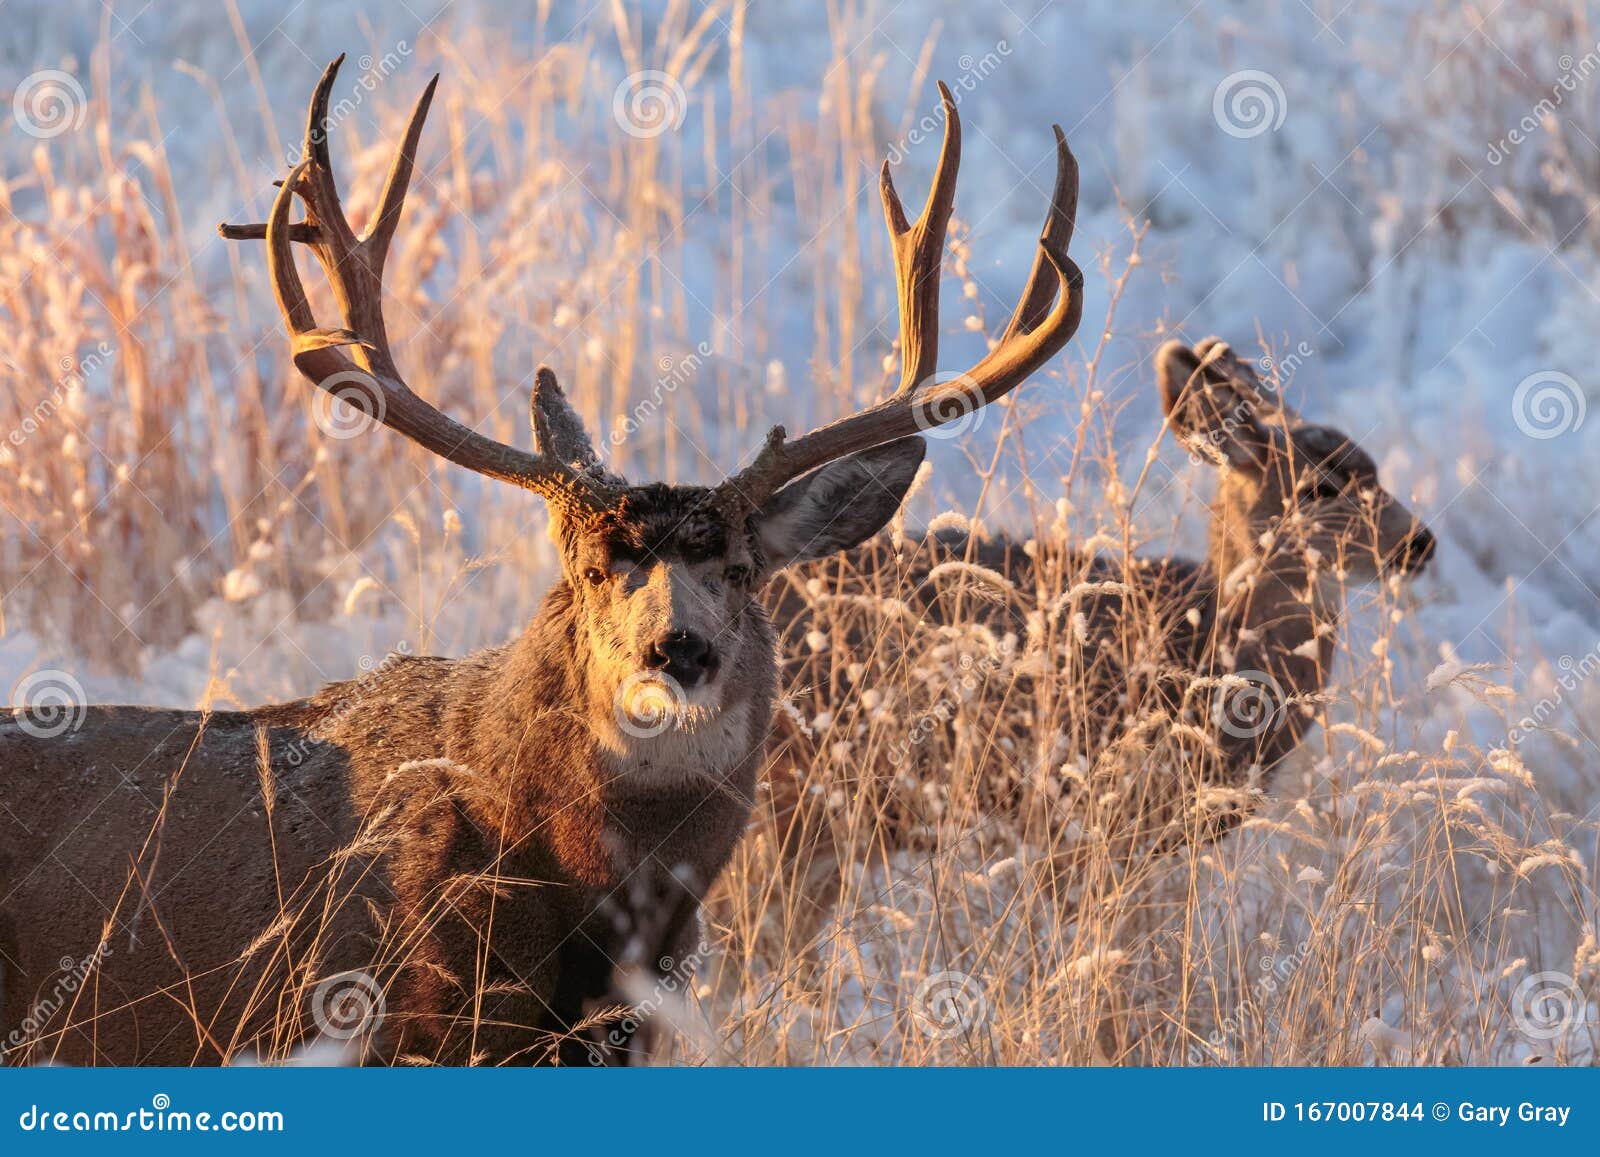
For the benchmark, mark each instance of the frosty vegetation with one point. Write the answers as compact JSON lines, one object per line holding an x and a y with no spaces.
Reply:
{"x":1408,"y":244}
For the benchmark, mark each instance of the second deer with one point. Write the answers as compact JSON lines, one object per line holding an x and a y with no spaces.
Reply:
{"x":1174,"y":687}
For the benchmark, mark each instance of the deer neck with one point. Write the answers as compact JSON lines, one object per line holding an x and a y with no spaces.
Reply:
{"x":1273,"y":617}
{"x":1231,"y":541}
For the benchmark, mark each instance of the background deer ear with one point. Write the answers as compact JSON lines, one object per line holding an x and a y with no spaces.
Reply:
{"x":1214,"y":410}
{"x":840,"y":505}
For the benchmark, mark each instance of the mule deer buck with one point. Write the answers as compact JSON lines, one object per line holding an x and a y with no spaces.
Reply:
{"x":466,"y":846}
{"x":1182,"y":685}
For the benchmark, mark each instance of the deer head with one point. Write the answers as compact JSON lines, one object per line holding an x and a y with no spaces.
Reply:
{"x":1289,"y":488}
{"x":664,"y":576}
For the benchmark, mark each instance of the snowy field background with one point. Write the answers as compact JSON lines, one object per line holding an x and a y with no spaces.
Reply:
{"x":1395,"y":202}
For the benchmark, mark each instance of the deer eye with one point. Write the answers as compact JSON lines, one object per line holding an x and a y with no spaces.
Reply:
{"x":594,"y":576}
{"x":1325,"y":487}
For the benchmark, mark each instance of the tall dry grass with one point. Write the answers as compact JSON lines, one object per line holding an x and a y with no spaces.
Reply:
{"x":173,"y":482}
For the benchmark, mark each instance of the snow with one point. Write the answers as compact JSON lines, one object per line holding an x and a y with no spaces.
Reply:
{"x":1369,"y":235}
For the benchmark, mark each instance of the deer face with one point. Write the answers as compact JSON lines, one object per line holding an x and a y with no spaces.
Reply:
{"x":1327,"y":488}
{"x":667,"y":586}
{"x":1288,"y":485}
{"x":663,"y":578}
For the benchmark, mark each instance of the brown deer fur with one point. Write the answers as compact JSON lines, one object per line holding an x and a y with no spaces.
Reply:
{"x":1298,"y":514}
{"x":456,"y":855}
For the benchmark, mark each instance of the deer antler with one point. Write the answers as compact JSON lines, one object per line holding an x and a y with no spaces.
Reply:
{"x":354,"y":267}
{"x":1044,"y":321}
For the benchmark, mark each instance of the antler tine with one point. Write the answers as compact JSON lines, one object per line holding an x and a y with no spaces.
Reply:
{"x":1045,"y":319}
{"x":1042,"y":289}
{"x":919,"y":253}
{"x":286,"y":284}
{"x":395,"y":186}
{"x":321,"y":192}
{"x":390,"y":401}
{"x":354,"y":268}
{"x":326,"y":224}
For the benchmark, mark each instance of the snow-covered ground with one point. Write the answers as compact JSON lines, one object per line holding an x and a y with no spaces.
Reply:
{"x":1394,"y":198}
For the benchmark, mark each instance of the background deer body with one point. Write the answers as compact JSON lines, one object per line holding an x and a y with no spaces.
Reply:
{"x":471,"y":846}
{"x":1182,"y":685}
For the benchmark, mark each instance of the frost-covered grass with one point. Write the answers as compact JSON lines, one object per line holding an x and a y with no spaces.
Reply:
{"x":178,"y":529}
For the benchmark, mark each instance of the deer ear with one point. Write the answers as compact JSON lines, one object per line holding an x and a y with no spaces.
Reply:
{"x":1213,"y":410}
{"x":557,"y":429}
{"x":842,"y":504}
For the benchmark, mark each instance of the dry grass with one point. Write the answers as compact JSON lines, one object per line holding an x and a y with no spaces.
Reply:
{"x":176,"y":484}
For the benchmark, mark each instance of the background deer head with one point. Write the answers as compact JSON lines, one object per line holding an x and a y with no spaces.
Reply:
{"x":1288,"y":487}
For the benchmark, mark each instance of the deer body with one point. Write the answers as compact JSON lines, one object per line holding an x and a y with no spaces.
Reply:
{"x":450,"y":860}
{"x":490,"y":823}
{"x":1183,"y":684}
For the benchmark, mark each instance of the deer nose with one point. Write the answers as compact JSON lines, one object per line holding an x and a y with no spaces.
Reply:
{"x":1419,"y":549}
{"x":683,"y":655}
